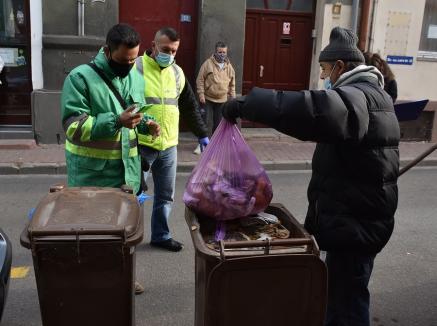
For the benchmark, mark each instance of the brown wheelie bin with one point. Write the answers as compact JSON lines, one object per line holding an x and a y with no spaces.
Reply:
{"x":83,"y":249}
{"x":276,"y":282}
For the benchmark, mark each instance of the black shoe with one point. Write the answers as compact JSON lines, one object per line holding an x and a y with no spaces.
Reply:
{"x":170,"y":244}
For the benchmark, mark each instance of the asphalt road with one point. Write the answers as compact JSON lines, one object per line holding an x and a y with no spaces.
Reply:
{"x":403,"y":286}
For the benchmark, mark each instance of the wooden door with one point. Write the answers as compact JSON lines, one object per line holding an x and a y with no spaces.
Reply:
{"x":149,"y":16}
{"x":16,"y":78}
{"x":278,"y":50}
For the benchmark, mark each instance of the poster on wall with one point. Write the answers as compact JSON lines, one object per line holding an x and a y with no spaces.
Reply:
{"x":432,"y":31}
{"x":286,"y":28}
{"x":396,"y":36}
{"x":9,"y":56}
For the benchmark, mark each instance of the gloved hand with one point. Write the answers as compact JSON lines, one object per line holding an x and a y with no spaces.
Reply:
{"x":203,"y":142}
{"x":231,"y":110}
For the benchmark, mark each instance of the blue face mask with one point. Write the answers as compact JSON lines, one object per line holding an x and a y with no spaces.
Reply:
{"x":327,"y":81}
{"x":164,"y":59}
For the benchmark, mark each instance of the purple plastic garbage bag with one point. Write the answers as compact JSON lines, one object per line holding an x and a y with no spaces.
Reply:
{"x":228,"y":182}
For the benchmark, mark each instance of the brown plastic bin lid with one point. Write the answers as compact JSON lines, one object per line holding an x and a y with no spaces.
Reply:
{"x":86,"y":211}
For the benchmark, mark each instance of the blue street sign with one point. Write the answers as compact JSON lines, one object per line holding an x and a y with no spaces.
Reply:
{"x":399,"y":60}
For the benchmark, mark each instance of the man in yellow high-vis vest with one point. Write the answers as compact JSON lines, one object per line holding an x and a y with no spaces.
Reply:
{"x":170,"y":95}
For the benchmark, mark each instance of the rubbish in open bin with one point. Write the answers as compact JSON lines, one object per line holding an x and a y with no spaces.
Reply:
{"x":257,"y":227}
{"x":83,"y":248}
{"x":278,"y":282}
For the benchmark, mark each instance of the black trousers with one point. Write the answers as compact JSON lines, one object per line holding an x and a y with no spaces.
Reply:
{"x":348,"y":296}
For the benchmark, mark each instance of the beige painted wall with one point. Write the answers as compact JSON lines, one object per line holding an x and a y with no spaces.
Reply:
{"x":416,"y":81}
{"x":325,"y":22}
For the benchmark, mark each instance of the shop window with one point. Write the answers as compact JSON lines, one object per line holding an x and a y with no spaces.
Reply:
{"x":302,"y":5}
{"x":428,"y":39}
{"x":289,"y":5}
{"x":280,"y":4}
{"x":12,"y":21}
{"x":255,"y":4}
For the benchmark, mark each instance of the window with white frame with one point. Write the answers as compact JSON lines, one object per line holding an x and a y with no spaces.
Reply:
{"x":428,"y":37}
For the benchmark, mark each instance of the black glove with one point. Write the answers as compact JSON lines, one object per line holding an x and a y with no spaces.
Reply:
{"x":231,"y":110}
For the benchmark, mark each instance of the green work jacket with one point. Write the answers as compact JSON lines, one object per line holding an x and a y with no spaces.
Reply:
{"x":98,"y":152}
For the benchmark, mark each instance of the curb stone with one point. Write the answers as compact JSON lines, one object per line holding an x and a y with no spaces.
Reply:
{"x":183,"y":167}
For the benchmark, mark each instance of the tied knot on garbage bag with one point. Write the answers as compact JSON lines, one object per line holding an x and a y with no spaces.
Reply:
{"x":228,"y":182}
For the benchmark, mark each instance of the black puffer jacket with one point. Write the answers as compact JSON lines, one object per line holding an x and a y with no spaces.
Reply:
{"x":353,"y":191}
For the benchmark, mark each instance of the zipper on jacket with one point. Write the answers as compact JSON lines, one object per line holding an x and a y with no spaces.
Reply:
{"x":162,"y":108}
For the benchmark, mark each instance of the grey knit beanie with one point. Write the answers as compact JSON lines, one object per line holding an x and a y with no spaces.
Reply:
{"x":342,"y":46}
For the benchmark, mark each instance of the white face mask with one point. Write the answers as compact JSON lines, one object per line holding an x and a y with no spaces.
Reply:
{"x":327,"y":81}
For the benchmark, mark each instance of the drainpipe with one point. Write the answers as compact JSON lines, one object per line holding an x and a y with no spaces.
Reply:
{"x":355,"y":9}
{"x":364,"y":25}
{"x":372,"y":25}
{"x":81,"y":17}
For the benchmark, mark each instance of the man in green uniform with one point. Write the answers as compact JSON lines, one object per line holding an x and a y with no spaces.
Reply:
{"x":101,"y":145}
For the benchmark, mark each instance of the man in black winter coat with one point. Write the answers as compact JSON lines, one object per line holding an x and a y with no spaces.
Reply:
{"x":353,"y":190}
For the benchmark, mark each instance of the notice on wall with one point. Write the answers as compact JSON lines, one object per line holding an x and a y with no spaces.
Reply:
{"x":286,"y":28}
{"x":432,"y":31}
{"x":9,"y":56}
{"x":185,"y":18}
{"x":396,"y":36}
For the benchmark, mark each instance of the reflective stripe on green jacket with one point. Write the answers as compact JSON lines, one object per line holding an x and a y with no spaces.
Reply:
{"x":164,"y":86}
{"x":97,"y":153}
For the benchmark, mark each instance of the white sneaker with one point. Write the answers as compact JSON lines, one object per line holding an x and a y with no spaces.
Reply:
{"x":197,"y":151}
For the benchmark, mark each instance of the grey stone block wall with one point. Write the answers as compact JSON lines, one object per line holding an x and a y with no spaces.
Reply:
{"x":63,"y":50}
{"x":59,"y":60}
{"x":46,"y":117}
{"x":60,"y":17}
{"x":222,"y":20}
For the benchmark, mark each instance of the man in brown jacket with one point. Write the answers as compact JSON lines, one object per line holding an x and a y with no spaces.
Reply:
{"x":215,"y":85}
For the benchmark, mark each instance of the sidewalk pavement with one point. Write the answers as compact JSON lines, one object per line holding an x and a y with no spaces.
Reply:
{"x":275,"y":151}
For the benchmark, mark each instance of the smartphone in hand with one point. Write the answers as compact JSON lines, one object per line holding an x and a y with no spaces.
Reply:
{"x":139,"y":107}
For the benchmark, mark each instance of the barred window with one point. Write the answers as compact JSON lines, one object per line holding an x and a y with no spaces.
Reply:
{"x":428,"y":38}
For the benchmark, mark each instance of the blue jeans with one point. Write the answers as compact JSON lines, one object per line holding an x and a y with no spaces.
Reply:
{"x":163,"y":166}
{"x":348,"y":295}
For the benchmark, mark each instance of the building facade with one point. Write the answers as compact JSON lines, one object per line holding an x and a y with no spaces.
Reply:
{"x":272,"y":44}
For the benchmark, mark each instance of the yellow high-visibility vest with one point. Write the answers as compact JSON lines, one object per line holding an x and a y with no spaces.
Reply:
{"x":163,"y":86}
{"x":78,"y":133}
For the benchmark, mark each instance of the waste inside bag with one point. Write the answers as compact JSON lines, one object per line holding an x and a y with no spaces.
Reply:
{"x":228,"y":182}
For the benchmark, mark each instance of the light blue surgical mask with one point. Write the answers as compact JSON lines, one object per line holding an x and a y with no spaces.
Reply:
{"x":164,"y":59}
{"x":327,"y":83}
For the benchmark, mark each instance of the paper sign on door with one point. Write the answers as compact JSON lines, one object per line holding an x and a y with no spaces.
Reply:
{"x":286,"y":28}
